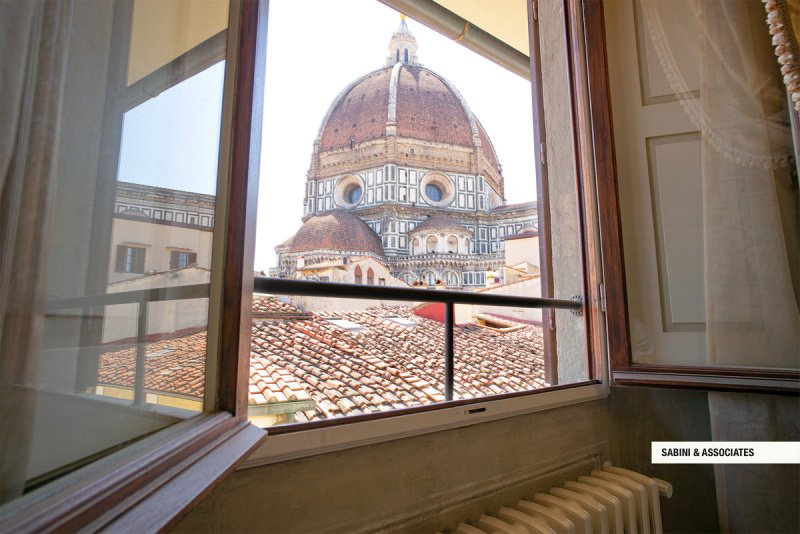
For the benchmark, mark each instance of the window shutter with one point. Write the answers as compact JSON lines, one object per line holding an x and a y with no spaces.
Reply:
{"x":120,"y":266}
{"x":173,"y":260}
{"x":138,"y":260}
{"x":192,"y":259}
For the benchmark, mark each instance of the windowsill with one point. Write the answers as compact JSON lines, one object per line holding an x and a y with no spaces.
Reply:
{"x":303,"y":443}
{"x":710,"y":379}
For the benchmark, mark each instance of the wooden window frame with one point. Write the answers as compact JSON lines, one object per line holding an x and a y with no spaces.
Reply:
{"x":624,"y":371}
{"x":150,"y":484}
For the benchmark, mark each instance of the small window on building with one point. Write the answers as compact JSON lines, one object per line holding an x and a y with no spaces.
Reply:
{"x":431,"y":244}
{"x":130,"y":259}
{"x":370,"y":277}
{"x":180,"y":259}
{"x":452,"y":245}
{"x":358,"y":278}
{"x":405,"y":56}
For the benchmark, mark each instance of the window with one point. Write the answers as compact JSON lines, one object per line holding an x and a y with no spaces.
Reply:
{"x":114,"y":100}
{"x":237,"y":226}
{"x":686,"y":281}
{"x":370,"y":277}
{"x":358,"y":275}
{"x":130,"y":259}
{"x":431,"y":244}
{"x":179,"y":259}
{"x":452,"y":244}
{"x":354,"y":194}
{"x":433,"y":192}
{"x":571,"y":327}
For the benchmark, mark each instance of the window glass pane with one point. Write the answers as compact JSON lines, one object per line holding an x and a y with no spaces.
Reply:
{"x":465,"y":159}
{"x":134,"y":145}
{"x":708,"y":184}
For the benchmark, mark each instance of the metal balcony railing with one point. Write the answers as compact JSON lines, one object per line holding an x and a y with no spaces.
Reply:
{"x":449,"y":298}
{"x":140,"y":297}
{"x":284,"y":286}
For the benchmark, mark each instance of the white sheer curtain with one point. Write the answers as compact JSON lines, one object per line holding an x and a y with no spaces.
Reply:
{"x":749,"y":181}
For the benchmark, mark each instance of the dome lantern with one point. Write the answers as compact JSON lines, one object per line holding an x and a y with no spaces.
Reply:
{"x":402,"y":46}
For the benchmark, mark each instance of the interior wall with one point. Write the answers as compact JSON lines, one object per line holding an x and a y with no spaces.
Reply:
{"x":757,"y":498}
{"x":640,"y":416}
{"x":419,"y":484}
{"x":723,"y":498}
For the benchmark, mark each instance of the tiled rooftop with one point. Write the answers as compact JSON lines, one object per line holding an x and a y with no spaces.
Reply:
{"x":174,"y":365}
{"x":267,"y":305}
{"x":382,"y":367}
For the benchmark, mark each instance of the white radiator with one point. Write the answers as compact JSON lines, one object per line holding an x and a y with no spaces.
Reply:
{"x":611,"y":500}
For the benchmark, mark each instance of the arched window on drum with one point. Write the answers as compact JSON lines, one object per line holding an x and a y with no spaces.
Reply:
{"x":452,"y":245}
{"x":431,"y":244}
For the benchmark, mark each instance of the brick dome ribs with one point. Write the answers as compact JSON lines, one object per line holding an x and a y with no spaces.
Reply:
{"x":336,"y":230}
{"x":360,"y":113}
{"x":427,"y":109}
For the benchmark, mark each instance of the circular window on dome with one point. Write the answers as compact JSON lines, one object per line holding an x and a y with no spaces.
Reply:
{"x":437,"y":189}
{"x":349,"y":191}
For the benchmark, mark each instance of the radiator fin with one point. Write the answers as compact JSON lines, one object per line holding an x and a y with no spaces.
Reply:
{"x":522,"y":521}
{"x":598,"y":512}
{"x":571,"y":509}
{"x":610,"y":501}
{"x":555,"y":518}
{"x":639,"y":495}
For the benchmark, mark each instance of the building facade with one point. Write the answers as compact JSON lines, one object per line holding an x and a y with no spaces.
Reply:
{"x":400,"y":151}
{"x":156,"y":229}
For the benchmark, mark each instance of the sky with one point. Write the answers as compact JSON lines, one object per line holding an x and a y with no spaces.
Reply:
{"x":173,"y":140}
{"x":315,"y":48}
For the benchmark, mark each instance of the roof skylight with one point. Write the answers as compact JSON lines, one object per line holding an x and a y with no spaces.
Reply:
{"x":344,"y":324}
{"x":401,"y":321}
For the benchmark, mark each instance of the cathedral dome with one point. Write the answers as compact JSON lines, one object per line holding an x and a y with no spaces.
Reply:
{"x":336,"y":230}
{"x":406,"y":100}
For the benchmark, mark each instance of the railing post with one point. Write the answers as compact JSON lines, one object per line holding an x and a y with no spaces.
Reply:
{"x":141,"y":347}
{"x":449,"y":321}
